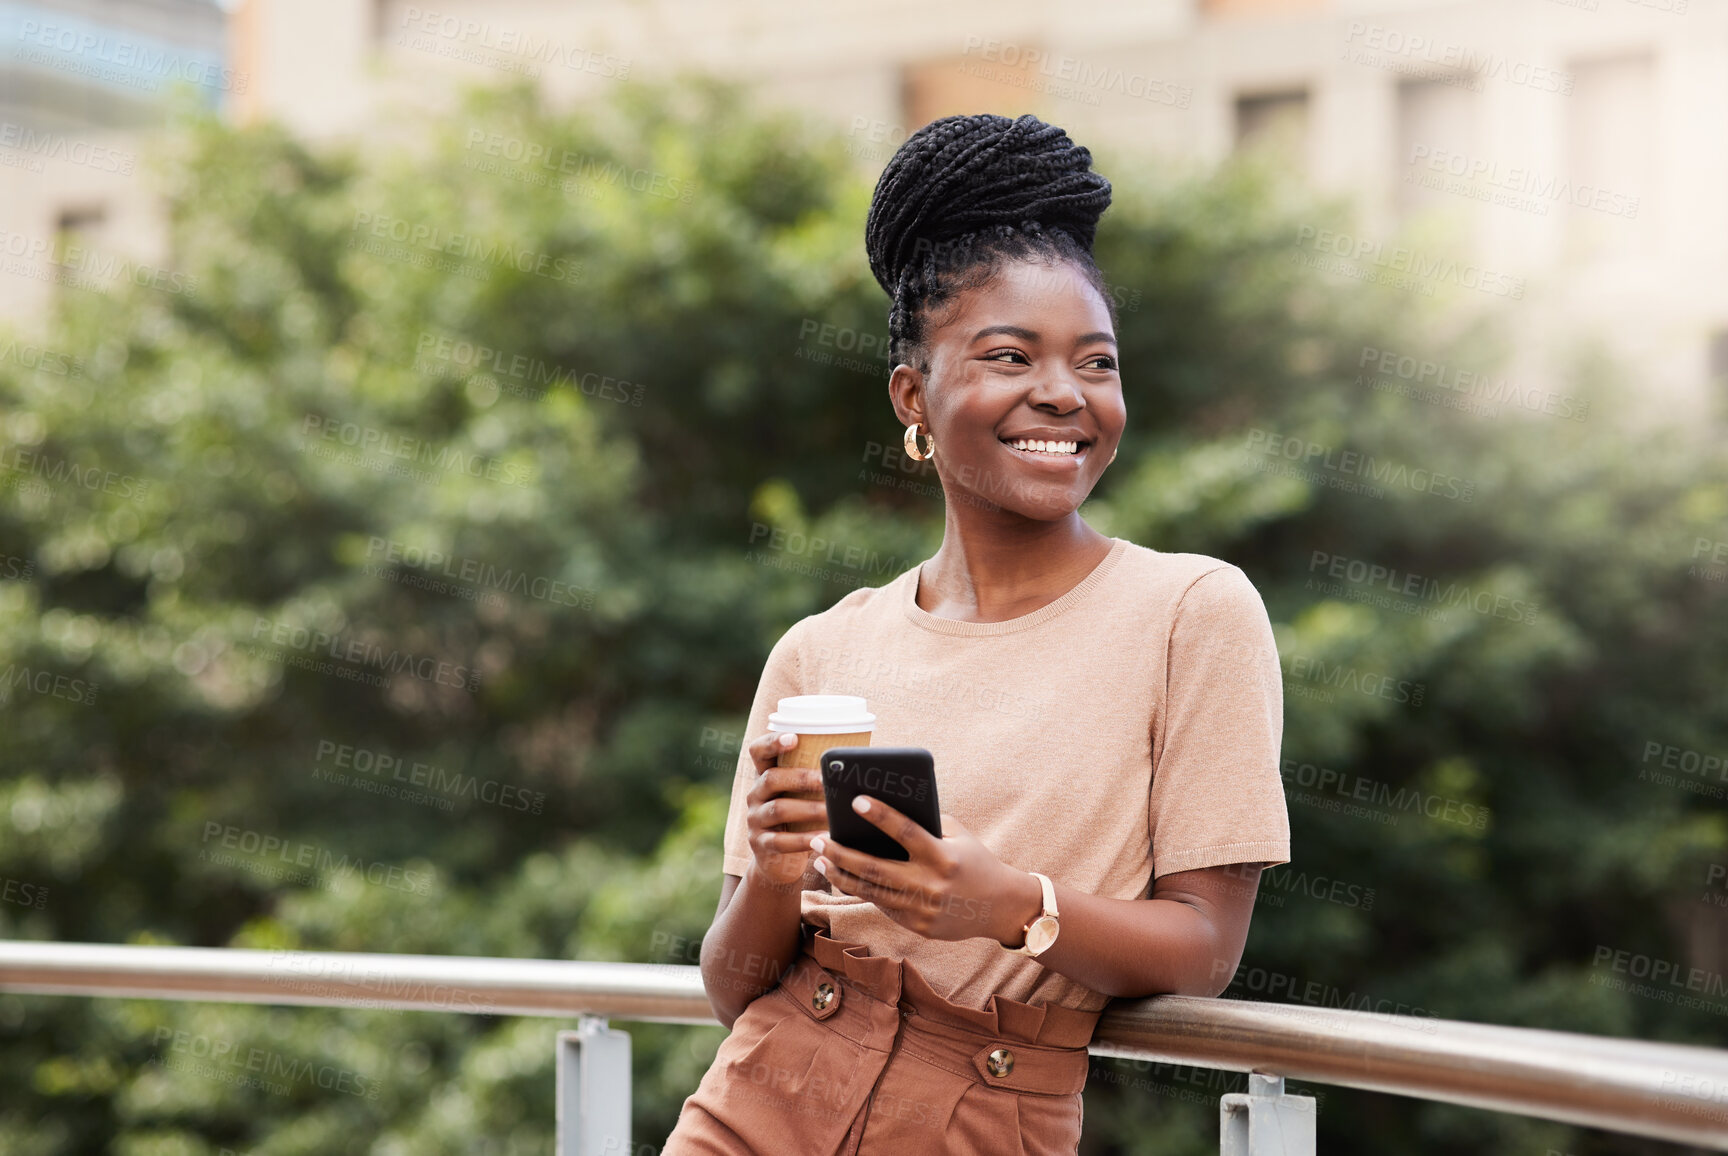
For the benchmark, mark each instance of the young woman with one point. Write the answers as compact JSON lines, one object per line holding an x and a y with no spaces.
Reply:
{"x":1105,"y":720}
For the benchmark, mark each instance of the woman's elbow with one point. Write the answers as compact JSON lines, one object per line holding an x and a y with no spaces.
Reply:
{"x":723,"y":1011}
{"x":1206,"y":971}
{"x":1168,"y":985}
{"x":717,"y":1001}
{"x":1220,"y":970}
{"x":1193,"y":983}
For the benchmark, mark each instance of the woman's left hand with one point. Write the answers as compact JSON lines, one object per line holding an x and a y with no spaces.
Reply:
{"x":952,"y":888}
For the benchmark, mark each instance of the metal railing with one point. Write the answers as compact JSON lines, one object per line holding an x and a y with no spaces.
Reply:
{"x":1666,"y":1091}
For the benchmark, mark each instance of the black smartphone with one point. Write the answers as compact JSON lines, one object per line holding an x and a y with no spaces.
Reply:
{"x":902,"y":777}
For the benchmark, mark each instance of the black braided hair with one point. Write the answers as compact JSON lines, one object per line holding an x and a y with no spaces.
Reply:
{"x":962,"y":194}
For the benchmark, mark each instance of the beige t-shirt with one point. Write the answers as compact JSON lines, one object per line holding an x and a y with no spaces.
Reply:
{"x":1127,"y":730}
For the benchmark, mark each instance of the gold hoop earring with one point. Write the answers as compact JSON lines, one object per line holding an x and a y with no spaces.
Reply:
{"x":911,"y":441}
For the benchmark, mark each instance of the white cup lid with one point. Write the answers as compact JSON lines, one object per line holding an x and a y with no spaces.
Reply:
{"x":822,"y":714}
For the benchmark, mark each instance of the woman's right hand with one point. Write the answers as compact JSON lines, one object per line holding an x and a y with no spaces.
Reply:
{"x":781,"y":856}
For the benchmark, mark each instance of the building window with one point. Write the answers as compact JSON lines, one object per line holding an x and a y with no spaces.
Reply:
{"x":1436,"y":146}
{"x":78,"y":232}
{"x":1611,"y":165}
{"x":1274,"y":126}
{"x":1716,"y":364}
{"x":81,"y":221}
{"x":996,"y":78}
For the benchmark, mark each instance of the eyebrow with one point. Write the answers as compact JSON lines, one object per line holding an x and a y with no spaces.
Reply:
{"x":1025,"y":334}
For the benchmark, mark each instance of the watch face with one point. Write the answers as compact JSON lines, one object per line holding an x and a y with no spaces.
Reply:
{"x":1042,"y":933}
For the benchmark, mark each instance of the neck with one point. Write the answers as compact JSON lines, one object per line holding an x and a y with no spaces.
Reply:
{"x":994,"y":565}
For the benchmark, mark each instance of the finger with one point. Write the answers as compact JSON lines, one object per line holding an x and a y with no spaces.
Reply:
{"x":803,"y":812}
{"x":776,"y":781}
{"x":791,"y":780}
{"x":766,"y":748}
{"x":868,"y":867}
{"x":786,"y":842}
{"x":784,"y":809}
{"x":886,"y":897}
{"x":900,"y":827}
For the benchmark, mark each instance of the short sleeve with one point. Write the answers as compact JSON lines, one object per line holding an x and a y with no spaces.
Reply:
{"x":780,"y":679}
{"x":1217,"y":794}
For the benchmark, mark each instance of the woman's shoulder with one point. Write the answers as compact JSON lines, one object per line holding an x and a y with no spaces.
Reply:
{"x":1166,"y":579}
{"x":858,"y":607}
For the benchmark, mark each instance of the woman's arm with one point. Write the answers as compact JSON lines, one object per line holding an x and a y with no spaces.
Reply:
{"x":1186,"y":939}
{"x":754,"y":939}
{"x":755,"y":935}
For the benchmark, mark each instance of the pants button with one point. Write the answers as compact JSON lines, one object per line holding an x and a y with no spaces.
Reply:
{"x":1000,"y":1062}
{"x":822,"y":996}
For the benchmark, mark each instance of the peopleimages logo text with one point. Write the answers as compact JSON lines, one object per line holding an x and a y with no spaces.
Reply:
{"x":72,"y":150}
{"x":436,"y":239}
{"x":1359,"y":572}
{"x":295,"y":853}
{"x":510,"y":42}
{"x":365,"y":653}
{"x":1463,"y":58}
{"x":1465,"y":274}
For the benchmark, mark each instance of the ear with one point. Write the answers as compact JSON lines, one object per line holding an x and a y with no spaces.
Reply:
{"x":906,"y":393}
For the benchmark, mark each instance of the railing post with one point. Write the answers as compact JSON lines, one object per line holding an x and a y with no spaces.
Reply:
{"x":1265,"y":1121}
{"x":593,"y":1090}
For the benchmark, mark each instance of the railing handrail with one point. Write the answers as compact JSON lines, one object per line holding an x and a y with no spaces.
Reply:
{"x":1673,"y":1092}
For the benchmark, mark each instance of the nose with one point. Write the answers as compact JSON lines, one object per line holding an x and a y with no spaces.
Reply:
{"x":1059,"y":390}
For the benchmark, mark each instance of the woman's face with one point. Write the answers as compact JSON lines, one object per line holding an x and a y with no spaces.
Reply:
{"x":1030,"y":354}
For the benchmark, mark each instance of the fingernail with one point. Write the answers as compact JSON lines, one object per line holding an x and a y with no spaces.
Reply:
{"x":816,"y":844}
{"x":787,"y":738}
{"x":822,"y":866}
{"x":860,"y":804}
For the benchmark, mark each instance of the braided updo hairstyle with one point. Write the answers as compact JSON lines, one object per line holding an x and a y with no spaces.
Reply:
{"x":962,"y":194}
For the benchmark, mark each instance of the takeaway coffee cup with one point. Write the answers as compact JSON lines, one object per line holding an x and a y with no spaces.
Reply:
{"x":820,"y":721}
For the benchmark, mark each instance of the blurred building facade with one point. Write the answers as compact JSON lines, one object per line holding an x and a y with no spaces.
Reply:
{"x":82,"y":83}
{"x":1565,"y":159}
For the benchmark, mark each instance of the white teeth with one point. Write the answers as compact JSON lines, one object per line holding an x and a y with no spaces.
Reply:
{"x":1046,"y":447}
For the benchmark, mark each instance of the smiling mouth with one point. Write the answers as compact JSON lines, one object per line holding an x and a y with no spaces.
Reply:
{"x":1047,"y":449}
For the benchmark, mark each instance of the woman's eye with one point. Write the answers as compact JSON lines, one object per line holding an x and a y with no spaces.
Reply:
{"x":1015,"y":357}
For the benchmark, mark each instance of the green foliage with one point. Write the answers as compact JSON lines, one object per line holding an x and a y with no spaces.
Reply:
{"x":601,"y":493}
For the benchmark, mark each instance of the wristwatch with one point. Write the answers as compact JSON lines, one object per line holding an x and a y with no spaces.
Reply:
{"x":1041,"y":932}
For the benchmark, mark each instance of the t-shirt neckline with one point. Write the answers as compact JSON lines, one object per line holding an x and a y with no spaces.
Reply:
{"x":929,"y":621}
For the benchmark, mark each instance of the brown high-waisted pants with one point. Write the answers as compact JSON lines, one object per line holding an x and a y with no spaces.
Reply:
{"x":856,"y":1055}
